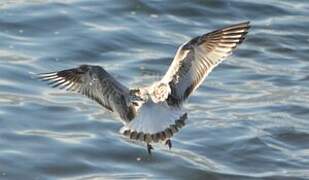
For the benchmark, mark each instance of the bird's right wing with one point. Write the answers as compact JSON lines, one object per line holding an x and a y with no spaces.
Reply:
{"x":196,"y":58}
{"x":95,"y":83}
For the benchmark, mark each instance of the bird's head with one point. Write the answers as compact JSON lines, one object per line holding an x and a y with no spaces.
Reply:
{"x":159,"y":92}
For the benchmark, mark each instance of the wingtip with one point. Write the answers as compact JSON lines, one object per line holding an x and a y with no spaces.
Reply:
{"x":46,"y":76}
{"x":244,"y":24}
{"x":247,"y":24}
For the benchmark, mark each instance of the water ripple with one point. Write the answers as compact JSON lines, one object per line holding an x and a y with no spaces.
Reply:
{"x":248,"y":121}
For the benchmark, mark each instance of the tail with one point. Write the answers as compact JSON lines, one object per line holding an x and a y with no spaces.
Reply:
{"x":155,"y":122}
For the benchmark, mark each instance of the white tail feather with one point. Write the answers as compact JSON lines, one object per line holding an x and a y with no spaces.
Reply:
{"x":153,"y":118}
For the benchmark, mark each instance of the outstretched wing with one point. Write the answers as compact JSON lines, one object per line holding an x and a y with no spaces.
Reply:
{"x":196,"y":58}
{"x":97,"y":84}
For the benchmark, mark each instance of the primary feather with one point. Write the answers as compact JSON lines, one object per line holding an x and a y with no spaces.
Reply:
{"x":95,"y":83}
{"x":196,"y":58}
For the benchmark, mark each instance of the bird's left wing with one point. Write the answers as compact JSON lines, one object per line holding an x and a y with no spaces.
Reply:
{"x":95,"y":83}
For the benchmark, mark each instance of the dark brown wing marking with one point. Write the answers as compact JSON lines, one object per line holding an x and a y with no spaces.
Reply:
{"x":195,"y":59}
{"x":95,"y":83}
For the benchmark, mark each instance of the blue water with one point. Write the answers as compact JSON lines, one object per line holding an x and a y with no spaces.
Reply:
{"x":249,"y":120}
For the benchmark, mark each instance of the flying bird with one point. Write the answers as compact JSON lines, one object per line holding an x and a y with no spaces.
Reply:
{"x":154,"y":113}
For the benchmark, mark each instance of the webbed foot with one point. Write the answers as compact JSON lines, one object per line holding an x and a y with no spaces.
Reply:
{"x":149,"y":148}
{"x":168,"y":143}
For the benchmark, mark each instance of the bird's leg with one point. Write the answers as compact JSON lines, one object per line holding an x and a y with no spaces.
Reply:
{"x":149,"y":148}
{"x":168,"y":143}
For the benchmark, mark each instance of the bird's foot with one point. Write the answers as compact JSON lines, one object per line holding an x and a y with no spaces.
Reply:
{"x":168,"y":143}
{"x":149,"y":148}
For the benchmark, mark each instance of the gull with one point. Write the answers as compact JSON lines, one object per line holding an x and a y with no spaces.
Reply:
{"x":153,"y":114}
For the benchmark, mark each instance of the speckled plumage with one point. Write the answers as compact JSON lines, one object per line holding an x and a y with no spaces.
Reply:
{"x":154,"y":113}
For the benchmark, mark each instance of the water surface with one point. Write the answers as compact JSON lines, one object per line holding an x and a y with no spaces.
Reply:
{"x":249,"y":120}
